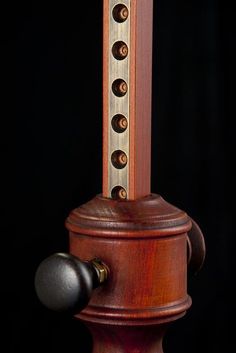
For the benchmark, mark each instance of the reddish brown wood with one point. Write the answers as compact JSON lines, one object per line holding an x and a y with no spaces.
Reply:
{"x":120,"y":339}
{"x":142,"y":241}
{"x":144,"y":245}
{"x":140,"y":98}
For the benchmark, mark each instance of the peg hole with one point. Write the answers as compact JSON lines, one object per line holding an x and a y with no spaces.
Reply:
{"x":119,"y":159}
{"x":119,"y":193}
{"x":119,"y":123}
{"x":119,"y":87}
{"x":120,"y":13}
{"x":120,"y":50}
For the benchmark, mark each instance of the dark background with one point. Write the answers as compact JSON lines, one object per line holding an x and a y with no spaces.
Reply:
{"x":51,"y":154}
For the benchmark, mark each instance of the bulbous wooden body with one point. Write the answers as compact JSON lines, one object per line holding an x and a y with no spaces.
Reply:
{"x":144,"y":245}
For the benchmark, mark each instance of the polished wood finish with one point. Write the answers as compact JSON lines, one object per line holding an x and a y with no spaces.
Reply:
{"x":140,"y":98}
{"x":144,"y":242}
{"x":144,"y":245}
{"x":123,"y":339}
{"x":140,"y":56}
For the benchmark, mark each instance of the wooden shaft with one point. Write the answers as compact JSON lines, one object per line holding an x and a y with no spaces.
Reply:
{"x":127,"y":82}
{"x":120,"y":339}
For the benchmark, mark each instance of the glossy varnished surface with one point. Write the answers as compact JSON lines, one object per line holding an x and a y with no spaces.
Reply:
{"x":149,"y":216}
{"x":123,"y":339}
{"x":147,"y":279}
{"x":144,"y":245}
{"x":141,"y":95}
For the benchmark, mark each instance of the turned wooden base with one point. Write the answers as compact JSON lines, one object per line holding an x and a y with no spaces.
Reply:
{"x":144,"y":245}
{"x":122,"y":339}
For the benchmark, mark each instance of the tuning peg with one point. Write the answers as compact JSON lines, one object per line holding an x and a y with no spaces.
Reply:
{"x":65,"y":283}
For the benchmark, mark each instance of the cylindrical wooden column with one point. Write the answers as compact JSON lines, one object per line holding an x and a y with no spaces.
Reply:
{"x":120,"y":339}
{"x":144,"y":245}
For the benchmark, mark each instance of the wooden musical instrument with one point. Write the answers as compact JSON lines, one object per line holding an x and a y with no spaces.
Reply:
{"x":125,"y":275}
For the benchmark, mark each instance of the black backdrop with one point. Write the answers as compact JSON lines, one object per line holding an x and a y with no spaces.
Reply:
{"x":51,"y":154}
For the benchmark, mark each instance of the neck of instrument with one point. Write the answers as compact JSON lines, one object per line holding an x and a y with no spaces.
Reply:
{"x":127,"y":83}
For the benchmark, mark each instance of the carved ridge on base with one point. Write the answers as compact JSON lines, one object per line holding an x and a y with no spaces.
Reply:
{"x":147,"y":217}
{"x":135,"y":316}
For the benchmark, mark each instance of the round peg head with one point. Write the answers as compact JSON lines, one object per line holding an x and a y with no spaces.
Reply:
{"x":64,"y":283}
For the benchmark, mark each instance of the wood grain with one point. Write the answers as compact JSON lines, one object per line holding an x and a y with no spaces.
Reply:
{"x":144,"y":245}
{"x":143,"y":241}
{"x":120,"y":339}
{"x":140,"y":98}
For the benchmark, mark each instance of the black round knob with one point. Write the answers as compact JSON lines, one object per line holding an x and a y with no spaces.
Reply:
{"x":64,"y":283}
